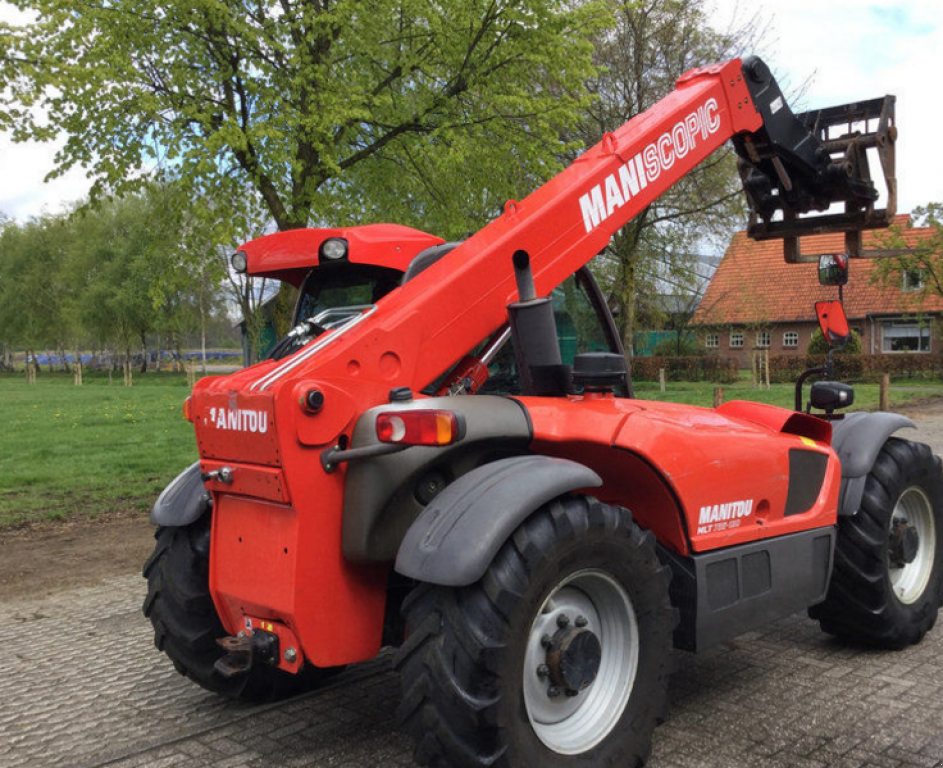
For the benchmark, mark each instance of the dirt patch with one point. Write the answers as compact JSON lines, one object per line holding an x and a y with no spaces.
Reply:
{"x":43,"y":558}
{"x":924,"y":407}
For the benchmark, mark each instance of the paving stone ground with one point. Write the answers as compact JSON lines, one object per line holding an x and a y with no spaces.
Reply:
{"x":82,"y":686}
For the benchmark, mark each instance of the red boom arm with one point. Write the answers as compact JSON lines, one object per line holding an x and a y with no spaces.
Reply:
{"x":418,"y":331}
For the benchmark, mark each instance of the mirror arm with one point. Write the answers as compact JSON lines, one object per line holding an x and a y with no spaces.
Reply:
{"x":801,"y":380}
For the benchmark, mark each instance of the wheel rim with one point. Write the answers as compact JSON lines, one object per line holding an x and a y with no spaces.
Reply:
{"x":593,"y":601}
{"x":913,"y":510}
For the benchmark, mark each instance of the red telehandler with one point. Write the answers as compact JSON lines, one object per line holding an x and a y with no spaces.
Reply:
{"x":444,"y":455}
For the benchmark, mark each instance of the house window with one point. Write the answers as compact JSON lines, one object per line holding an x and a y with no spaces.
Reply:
{"x":762,"y":338}
{"x":712,"y":340}
{"x":791,"y":339}
{"x":736,"y":339}
{"x":912,"y":280}
{"x":903,"y":336}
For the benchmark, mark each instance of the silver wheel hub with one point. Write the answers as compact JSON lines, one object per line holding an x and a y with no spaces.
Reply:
{"x":912,"y":545}
{"x":580,"y":662}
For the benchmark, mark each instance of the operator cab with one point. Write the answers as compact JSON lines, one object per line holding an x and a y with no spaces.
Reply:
{"x":340,"y":273}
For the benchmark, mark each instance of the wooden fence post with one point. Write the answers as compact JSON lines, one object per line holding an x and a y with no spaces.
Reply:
{"x":661,"y":379}
{"x":884,"y":395}
{"x":718,"y":396}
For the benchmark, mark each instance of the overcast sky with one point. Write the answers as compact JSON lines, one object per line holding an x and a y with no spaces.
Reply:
{"x":847,"y":50}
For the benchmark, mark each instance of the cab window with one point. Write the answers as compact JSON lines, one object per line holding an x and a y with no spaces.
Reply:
{"x":344,"y":285}
{"x":579,"y":329}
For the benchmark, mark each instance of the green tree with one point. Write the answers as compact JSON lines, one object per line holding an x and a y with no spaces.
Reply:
{"x":127,"y":257}
{"x":290,"y":97}
{"x":652,"y":43}
{"x":819,"y":346}
{"x":682,"y":344}
{"x":33,"y":288}
{"x":918,"y":260}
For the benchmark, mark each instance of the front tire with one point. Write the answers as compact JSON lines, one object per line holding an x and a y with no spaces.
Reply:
{"x":887,"y":584}
{"x":186,"y":625}
{"x":559,"y":656}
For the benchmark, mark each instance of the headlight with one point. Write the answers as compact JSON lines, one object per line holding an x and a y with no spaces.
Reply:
{"x":239,"y":261}
{"x":334,"y":248}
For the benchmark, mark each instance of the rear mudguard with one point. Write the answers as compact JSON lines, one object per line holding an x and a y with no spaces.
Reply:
{"x":456,"y":537}
{"x":183,"y":501}
{"x":857,"y":439}
{"x":382,"y":494}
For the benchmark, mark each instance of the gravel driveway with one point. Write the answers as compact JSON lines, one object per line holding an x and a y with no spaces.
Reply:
{"x":83,"y":686}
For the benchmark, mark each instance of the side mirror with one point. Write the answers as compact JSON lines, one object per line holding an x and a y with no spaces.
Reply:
{"x":833,"y":322}
{"x":833,"y":269}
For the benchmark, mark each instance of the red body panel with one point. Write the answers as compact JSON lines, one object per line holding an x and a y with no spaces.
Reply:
{"x":289,"y":255}
{"x":283,"y":563}
{"x":249,"y":480}
{"x":702,"y":457}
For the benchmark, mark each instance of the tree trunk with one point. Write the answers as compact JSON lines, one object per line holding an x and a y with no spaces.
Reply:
{"x":143,"y":352}
{"x":202,"y":332}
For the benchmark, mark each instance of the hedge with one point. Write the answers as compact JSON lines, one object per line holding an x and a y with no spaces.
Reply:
{"x":785,"y":368}
{"x":722,"y":370}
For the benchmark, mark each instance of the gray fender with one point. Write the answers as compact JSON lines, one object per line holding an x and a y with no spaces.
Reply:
{"x":183,"y":501}
{"x":857,"y":439}
{"x":458,"y":534}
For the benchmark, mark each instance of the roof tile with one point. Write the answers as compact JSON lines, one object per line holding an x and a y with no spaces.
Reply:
{"x":753,"y":284}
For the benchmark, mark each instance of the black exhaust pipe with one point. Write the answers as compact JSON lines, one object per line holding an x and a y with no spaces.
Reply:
{"x":534,"y":331}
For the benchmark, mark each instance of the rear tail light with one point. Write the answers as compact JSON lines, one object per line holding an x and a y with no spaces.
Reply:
{"x":420,"y":427}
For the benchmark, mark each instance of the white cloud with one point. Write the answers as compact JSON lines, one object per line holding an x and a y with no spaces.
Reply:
{"x":23,"y":192}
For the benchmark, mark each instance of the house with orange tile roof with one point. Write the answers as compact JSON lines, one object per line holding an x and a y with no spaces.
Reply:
{"x":756,"y":300}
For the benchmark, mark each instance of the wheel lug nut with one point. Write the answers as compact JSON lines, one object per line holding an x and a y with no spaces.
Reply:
{"x":563,"y":621}
{"x":571,"y":693}
{"x":553,"y":691}
{"x":581,"y":621}
{"x":546,"y":641}
{"x":543,"y":670}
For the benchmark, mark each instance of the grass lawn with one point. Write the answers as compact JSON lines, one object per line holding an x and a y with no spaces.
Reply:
{"x":67,"y":450}
{"x":783,"y":395}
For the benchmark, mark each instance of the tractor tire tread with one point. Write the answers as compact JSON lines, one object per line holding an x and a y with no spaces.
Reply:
{"x":860,"y":606}
{"x":448,"y":662}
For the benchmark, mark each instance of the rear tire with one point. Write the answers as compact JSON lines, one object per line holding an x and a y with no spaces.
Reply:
{"x":878,"y":596}
{"x":472,"y":693}
{"x":186,"y":625}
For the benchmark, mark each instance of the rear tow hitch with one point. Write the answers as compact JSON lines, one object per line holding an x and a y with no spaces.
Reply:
{"x":246,"y":649}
